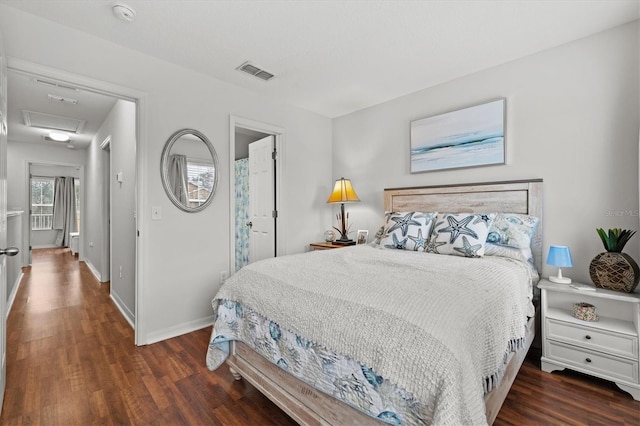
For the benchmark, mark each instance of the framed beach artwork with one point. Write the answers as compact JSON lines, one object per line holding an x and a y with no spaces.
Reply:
{"x":468,"y":137}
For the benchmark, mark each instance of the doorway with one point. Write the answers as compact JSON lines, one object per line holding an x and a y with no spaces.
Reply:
{"x":131,"y":307}
{"x":254,"y":215}
{"x":39,"y":230}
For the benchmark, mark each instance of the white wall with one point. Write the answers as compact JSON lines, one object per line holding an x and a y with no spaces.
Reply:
{"x":19,"y":155}
{"x":94,"y":235}
{"x":184,"y":253}
{"x":572,"y":119}
{"x":120,"y":126}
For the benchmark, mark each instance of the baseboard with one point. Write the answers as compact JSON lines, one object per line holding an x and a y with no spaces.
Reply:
{"x":14,"y":292}
{"x":179,"y":330}
{"x":122,"y":307}
{"x":45,"y":246}
{"x":93,"y":270}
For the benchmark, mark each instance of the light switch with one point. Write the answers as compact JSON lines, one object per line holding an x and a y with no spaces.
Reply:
{"x":119,"y":177}
{"x":156,"y":213}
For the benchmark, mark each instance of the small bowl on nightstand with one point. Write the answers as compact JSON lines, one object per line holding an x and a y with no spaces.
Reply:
{"x":585,"y":311}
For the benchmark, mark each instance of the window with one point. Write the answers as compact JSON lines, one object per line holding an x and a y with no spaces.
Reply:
{"x":42,"y":203}
{"x":200,"y":175}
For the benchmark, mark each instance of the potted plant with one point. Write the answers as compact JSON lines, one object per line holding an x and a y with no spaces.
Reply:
{"x":613,"y":269}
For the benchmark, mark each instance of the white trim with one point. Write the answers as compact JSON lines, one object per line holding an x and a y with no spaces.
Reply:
{"x":93,"y":270}
{"x":180,"y":329}
{"x":26,"y":227}
{"x":106,"y":144}
{"x":46,"y":246}
{"x":141,"y":154}
{"x":82,"y":82}
{"x":279,"y":134}
{"x":141,"y":100}
{"x":122,"y":307}
{"x":14,"y":292}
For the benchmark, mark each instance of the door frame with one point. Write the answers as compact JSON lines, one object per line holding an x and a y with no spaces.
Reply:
{"x":105,"y":148}
{"x":140,"y":99}
{"x":279,"y":143}
{"x":26,"y":232}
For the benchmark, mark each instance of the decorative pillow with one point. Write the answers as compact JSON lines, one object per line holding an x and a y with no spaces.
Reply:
{"x":512,"y":230}
{"x":407,"y":230}
{"x":460,"y":234}
{"x":378,"y":237}
{"x":523,"y":255}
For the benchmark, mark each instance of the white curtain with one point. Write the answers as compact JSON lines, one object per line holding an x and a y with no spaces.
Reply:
{"x":178,"y":177}
{"x":64,"y":210}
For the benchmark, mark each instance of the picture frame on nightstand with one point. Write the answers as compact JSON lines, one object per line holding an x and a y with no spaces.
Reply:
{"x":361,"y":236}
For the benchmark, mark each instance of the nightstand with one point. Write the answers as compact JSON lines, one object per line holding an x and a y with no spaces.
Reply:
{"x":324,"y":246}
{"x":608,"y":348}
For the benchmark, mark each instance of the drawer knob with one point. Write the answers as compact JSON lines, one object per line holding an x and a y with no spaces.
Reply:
{"x":587,"y":337}
{"x":588,"y":359}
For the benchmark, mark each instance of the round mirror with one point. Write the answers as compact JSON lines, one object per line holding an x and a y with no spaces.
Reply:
{"x":189,"y":168}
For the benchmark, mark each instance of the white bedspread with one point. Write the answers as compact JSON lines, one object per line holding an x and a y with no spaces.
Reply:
{"x":438,"y":326}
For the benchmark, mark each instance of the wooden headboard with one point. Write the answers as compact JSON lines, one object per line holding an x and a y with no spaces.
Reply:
{"x":522,"y":196}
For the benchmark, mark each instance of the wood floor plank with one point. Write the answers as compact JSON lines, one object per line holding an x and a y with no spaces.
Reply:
{"x":71,"y":360}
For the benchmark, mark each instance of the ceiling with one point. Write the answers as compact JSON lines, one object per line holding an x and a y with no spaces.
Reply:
{"x":336,"y":57}
{"x":28,"y":95}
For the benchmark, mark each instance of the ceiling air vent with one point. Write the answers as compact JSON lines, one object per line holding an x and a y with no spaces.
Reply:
{"x":255,"y":71}
{"x":62,"y":99}
{"x":53,"y":122}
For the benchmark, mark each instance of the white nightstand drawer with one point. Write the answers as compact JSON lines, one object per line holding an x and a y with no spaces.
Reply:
{"x":598,"y":363}
{"x":589,"y":337}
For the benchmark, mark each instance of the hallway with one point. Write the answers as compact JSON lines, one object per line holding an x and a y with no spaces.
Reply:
{"x":71,"y":360}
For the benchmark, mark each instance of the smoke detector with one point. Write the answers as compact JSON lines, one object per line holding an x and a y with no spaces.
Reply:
{"x":124,"y":12}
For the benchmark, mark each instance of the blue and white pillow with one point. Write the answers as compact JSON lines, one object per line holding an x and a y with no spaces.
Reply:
{"x":460,"y":234}
{"x":407,"y":230}
{"x":512,"y":230}
{"x":523,"y":255}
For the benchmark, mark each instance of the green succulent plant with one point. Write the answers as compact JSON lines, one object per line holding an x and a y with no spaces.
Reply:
{"x":616,"y":239}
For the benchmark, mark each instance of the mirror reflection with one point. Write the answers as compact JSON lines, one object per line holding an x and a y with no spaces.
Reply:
{"x":189,"y":170}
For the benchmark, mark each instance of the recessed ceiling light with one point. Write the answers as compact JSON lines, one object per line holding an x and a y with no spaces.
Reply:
{"x":124,"y":12}
{"x":59,"y":137}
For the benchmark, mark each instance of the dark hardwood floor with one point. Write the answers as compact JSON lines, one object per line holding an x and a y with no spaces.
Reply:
{"x":71,"y":360}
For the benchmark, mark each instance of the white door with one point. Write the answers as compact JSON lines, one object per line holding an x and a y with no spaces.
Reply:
{"x":261,"y":199}
{"x":3,"y":219}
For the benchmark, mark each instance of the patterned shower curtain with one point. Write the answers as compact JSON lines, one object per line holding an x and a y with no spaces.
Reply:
{"x":242,"y":212}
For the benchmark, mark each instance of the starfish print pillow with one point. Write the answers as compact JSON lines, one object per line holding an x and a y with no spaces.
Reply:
{"x":407,"y":230}
{"x":460,"y":234}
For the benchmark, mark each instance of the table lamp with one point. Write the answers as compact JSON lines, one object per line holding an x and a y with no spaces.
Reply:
{"x":343,"y":193}
{"x":559,"y":256}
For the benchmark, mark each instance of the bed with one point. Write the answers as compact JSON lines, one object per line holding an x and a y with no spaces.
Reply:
{"x":281,"y":348}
